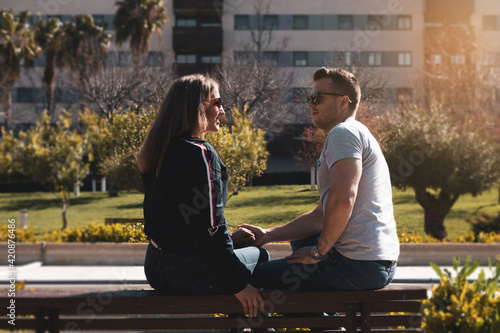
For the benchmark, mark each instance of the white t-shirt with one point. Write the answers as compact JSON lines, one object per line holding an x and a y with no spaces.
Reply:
{"x":371,"y":232}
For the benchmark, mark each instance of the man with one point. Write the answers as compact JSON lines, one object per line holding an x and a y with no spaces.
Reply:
{"x":349,"y":241}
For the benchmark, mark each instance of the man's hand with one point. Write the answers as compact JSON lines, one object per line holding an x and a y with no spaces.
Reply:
{"x":242,"y":237}
{"x":302,"y":256}
{"x":259,"y":233}
{"x":251,"y":300}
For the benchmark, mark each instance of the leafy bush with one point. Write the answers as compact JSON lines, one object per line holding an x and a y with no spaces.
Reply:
{"x":458,"y":306}
{"x":485,"y":223}
{"x":242,"y":148}
{"x":481,"y":237}
{"x":22,"y":235}
{"x":125,"y":233}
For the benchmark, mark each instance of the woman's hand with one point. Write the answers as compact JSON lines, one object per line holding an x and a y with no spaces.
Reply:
{"x":251,"y":300}
{"x":260,"y":237}
{"x":242,"y":237}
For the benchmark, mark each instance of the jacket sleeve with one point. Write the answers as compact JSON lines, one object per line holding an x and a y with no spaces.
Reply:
{"x":207,"y":221}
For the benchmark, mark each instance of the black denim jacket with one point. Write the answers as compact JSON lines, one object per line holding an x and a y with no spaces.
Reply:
{"x":184,"y":208}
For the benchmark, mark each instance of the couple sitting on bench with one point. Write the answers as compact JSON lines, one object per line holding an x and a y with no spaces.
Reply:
{"x":348,"y":242}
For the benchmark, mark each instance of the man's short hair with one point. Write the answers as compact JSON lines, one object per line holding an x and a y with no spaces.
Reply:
{"x":344,"y":82}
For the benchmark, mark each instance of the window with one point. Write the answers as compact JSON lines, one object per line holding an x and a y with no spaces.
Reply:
{"x":347,"y":58}
{"x":457,"y":59}
{"x":374,"y":22}
{"x":210,"y":58}
{"x":346,"y":22}
{"x":404,"y":22}
{"x":186,"y":58}
{"x":186,"y":22}
{"x":404,"y":95}
{"x":490,"y":59}
{"x":490,"y":22}
{"x":154,"y":59}
{"x":404,"y":59}
{"x":123,"y":59}
{"x":436,"y":59}
{"x":29,"y":95}
{"x":374,"y":58}
{"x":300,"y":22}
{"x":241,"y":22}
{"x":300,"y":59}
{"x":211,"y":21}
{"x":271,"y":57}
{"x":271,"y":22}
{"x":99,"y":20}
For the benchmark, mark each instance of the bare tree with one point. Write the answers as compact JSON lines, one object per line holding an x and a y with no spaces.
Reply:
{"x":124,"y":85}
{"x":252,"y":79}
{"x":260,"y":87}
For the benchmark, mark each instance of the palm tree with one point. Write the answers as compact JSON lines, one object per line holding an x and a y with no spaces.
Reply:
{"x":50,"y":37}
{"x":138,"y":20}
{"x":17,"y":49}
{"x":84,"y":50}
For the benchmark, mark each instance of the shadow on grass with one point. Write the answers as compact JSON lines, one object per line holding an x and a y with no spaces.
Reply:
{"x":131,"y":206}
{"x":40,"y":204}
{"x":266,"y":221}
{"x":273,"y":201}
{"x":404,"y":199}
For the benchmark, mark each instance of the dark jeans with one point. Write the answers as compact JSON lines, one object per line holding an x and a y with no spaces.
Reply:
{"x":188,"y":272}
{"x":335,"y":273}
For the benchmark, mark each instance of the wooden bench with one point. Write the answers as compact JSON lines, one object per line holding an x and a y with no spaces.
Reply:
{"x":114,"y":220}
{"x":392,"y":309}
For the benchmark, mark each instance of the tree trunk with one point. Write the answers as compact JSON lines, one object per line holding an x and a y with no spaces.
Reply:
{"x":65,"y":201}
{"x":434,"y":225}
{"x":7,"y":103}
{"x":49,"y":79}
{"x":436,"y":209}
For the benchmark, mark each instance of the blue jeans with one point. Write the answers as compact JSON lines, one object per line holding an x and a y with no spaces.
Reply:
{"x":188,"y":272}
{"x":334,"y":273}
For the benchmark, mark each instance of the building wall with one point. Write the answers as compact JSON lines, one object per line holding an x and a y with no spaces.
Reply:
{"x":322,"y":34}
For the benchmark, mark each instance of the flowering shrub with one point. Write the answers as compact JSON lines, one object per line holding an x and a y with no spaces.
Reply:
{"x":459,"y":306}
{"x":481,"y":237}
{"x":125,"y":233}
{"x":22,"y":235}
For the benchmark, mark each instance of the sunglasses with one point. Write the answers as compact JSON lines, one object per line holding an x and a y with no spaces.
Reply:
{"x":218,"y":101}
{"x":314,"y":98}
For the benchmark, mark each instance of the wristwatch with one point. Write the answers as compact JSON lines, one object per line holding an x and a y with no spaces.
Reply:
{"x":315,"y":254}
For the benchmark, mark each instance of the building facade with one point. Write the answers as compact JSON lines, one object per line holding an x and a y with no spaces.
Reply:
{"x":388,"y":36}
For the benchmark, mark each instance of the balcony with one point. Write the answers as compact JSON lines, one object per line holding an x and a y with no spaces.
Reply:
{"x":197,"y":39}
{"x":192,"y":7}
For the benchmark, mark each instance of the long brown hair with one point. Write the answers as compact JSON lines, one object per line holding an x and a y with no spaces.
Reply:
{"x":182,"y":112}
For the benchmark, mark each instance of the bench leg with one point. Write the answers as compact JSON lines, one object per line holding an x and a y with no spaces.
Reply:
{"x":365,"y":317}
{"x":40,"y":321}
{"x":53,"y":321}
{"x":351,"y":318}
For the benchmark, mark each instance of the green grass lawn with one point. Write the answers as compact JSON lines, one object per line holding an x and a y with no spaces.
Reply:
{"x":260,"y":205}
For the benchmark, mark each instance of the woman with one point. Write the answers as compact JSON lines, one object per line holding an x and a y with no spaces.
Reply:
{"x":190,"y":249}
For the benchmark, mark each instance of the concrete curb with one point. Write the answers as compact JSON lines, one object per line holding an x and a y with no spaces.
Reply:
{"x":125,"y":254}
